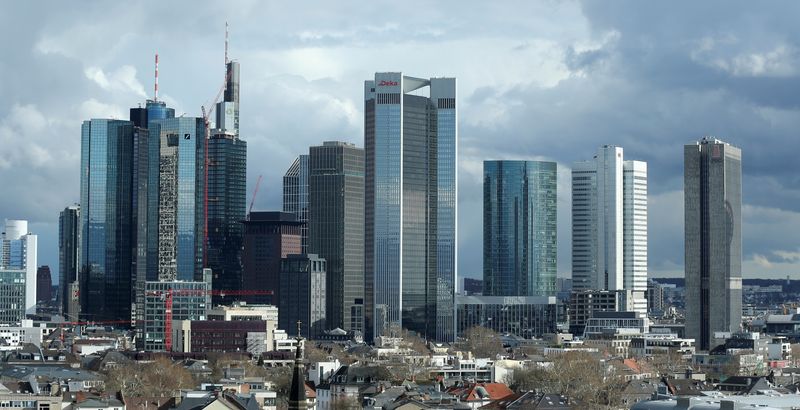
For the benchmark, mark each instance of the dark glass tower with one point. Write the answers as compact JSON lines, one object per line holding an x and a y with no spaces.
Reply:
{"x":227,"y":197}
{"x":68,"y":260}
{"x":713,"y":239}
{"x":268,"y":237}
{"x":106,"y":220}
{"x":519,"y":228}
{"x":295,"y":195}
{"x":336,"y":228}
{"x":410,"y":208}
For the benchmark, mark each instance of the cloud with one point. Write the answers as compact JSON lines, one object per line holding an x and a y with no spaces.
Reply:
{"x":122,"y":80}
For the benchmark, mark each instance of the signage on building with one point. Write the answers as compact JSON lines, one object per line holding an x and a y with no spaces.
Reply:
{"x":385,"y":83}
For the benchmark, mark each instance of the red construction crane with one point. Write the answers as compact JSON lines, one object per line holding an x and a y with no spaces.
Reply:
{"x":252,"y":201}
{"x":169,"y":293}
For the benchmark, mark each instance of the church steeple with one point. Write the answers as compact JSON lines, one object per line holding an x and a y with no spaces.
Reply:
{"x":297,"y":394}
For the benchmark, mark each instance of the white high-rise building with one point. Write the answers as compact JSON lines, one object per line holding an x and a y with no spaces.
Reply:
{"x":18,"y":252}
{"x":609,"y":225}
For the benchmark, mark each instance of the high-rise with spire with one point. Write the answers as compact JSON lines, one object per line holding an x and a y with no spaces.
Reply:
{"x":227,"y":178}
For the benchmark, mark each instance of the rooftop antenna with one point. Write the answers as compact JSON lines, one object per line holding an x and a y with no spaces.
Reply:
{"x":155,"y":86}
{"x":226,"y":43}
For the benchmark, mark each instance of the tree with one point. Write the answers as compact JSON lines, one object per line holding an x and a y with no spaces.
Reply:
{"x":795,"y":351}
{"x":482,"y":342}
{"x":667,"y":363}
{"x":160,"y":378}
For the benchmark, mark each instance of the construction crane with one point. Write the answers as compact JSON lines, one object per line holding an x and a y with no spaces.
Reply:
{"x":170,"y":293}
{"x":252,"y":201}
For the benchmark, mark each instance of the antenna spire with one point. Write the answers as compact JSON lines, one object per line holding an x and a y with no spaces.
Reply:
{"x":226,"y":43}
{"x":155,"y":86}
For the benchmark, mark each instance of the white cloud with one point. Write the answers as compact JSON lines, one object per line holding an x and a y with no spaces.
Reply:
{"x":122,"y":80}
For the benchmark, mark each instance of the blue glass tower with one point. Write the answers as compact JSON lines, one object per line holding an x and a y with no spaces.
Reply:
{"x":106,"y":219}
{"x":410,"y":268}
{"x":519,"y":228}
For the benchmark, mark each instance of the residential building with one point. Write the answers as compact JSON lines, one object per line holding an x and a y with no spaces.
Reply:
{"x":44,"y":285}
{"x":295,"y":196}
{"x":410,"y":205}
{"x":303,"y":295}
{"x":227,"y":177}
{"x":268,"y":237}
{"x":519,"y":228}
{"x":68,"y":259}
{"x":336,"y":228}
{"x":609,"y":225}
{"x":108,"y":237}
{"x":713,"y":239}
{"x":525,"y":316}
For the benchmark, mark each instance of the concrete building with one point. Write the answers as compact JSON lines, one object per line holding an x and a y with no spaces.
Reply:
{"x":18,"y":251}
{"x":525,"y":316}
{"x":519,"y":228}
{"x":268,"y":237}
{"x":69,"y":241}
{"x":336,"y":228}
{"x":713,"y":239}
{"x":410,"y":204}
{"x":295,"y":196}
{"x":609,"y":225}
{"x":303,"y":295}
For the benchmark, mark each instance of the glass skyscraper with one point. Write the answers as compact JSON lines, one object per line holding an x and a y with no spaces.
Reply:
{"x":227,"y":197}
{"x":68,"y":259}
{"x":519,"y":228}
{"x":18,"y":252}
{"x":408,"y":283}
{"x":295,"y":195}
{"x":106,"y":219}
{"x":336,"y":228}
{"x":713,"y":239}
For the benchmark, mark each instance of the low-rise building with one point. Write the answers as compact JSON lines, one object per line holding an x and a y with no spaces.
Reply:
{"x":525,"y":316}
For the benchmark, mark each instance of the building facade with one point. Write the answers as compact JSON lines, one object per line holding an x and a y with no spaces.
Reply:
{"x":303,"y":295}
{"x":106,"y":221}
{"x":336,"y":229}
{"x":609,"y":225}
{"x":12,"y":295}
{"x":69,"y":240}
{"x":295,"y":195}
{"x":519,"y":228}
{"x":191,"y":300}
{"x":584,"y":304}
{"x":410,"y":205}
{"x":19,"y":251}
{"x":268,"y":237}
{"x":713,"y":239}
{"x":524,"y":316}
{"x":44,"y":285}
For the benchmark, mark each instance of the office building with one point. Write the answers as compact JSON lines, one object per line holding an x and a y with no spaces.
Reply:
{"x":336,"y":228}
{"x":12,"y":295}
{"x":584,"y":304}
{"x":69,"y":240}
{"x":524,"y":316}
{"x":303,"y":294}
{"x":190,"y":300}
{"x":227,"y":177}
{"x":18,"y":251}
{"x":268,"y":237}
{"x":295,"y":195}
{"x":519,"y":228}
{"x":410,"y":205}
{"x":44,"y":285}
{"x":106,"y":222}
{"x":181,"y":188}
{"x":713,"y":239}
{"x":609,"y":225}
{"x":203,"y":336}
{"x":473,"y":286}
{"x":655,"y":297}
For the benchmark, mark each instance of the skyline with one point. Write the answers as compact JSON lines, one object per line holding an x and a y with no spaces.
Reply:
{"x":570,"y":88}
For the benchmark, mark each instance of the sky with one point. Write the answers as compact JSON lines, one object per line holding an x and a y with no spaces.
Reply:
{"x":539,"y":80}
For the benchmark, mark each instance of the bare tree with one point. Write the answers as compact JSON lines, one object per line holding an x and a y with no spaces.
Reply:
{"x":667,"y":363}
{"x":159,"y":378}
{"x":482,"y":342}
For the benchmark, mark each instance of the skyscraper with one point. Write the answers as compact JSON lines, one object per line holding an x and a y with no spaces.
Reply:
{"x":519,"y":228}
{"x":713,"y":239}
{"x":609,"y":225}
{"x":268,"y":237}
{"x":295,"y":195}
{"x":179,"y":196}
{"x":303,"y":295}
{"x":69,"y":240}
{"x":410,"y":207}
{"x":44,"y":285}
{"x":106,"y":219}
{"x":336,"y":228}
{"x":18,"y":252}
{"x":227,"y":177}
